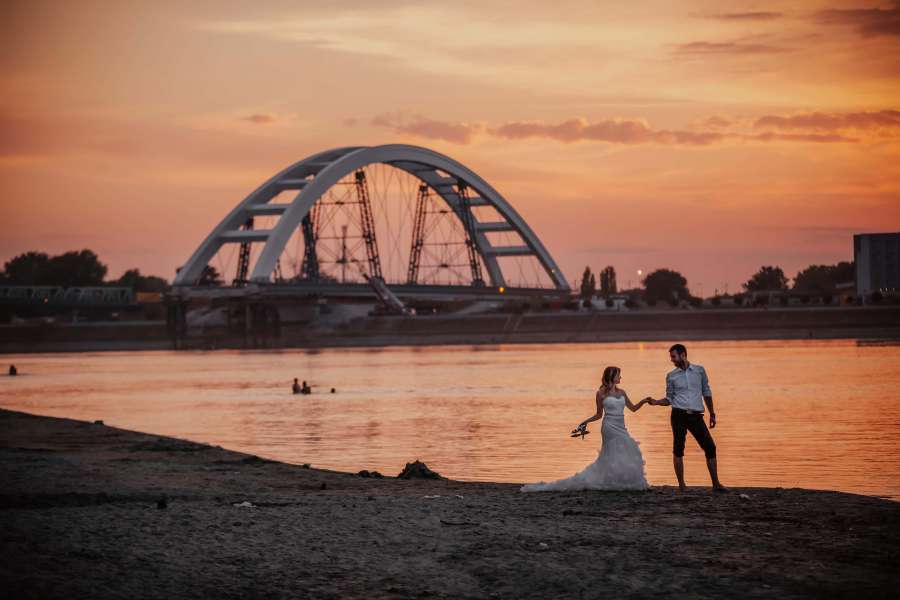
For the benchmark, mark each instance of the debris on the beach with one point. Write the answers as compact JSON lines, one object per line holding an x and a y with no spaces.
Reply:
{"x":304,"y":466}
{"x":418,"y":470}
{"x":98,"y":422}
{"x":543,"y":546}
{"x":745,"y":497}
{"x":469,"y":523}
{"x":244,"y":504}
{"x":374,"y":474}
{"x":324,"y":486}
{"x":162,"y":503}
{"x":431,"y":497}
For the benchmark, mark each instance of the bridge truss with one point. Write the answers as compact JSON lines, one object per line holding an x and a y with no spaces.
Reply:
{"x":406,"y":214}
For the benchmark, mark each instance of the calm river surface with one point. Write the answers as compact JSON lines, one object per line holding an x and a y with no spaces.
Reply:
{"x":818,"y":414}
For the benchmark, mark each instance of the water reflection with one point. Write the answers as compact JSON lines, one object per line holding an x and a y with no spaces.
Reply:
{"x":820,"y":414}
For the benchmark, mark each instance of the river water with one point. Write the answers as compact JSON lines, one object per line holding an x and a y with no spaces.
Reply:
{"x":812,"y":414}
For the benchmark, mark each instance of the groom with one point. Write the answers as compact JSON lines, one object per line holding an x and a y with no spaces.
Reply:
{"x":685,"y":385}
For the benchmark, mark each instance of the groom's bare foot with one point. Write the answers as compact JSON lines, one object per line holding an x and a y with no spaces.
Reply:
{"x":682,"y":489}
{"x":721,"y":489}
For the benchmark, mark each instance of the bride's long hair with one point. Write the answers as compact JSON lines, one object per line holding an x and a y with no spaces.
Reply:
{"x":609,"y":377}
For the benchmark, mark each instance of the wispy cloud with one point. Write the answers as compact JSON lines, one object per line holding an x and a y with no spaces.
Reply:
{"x":260,"y":118}
{"x":868,"y":22}
{"x":746,"y":16}
{"x":627,"y":132}
{"x":799,"y":137}
{"x":615,"y":131}
{"x":884,"y":121}
{"x":457,"y":133}
{"x":715,"y":122}
{"x":727,"y":48}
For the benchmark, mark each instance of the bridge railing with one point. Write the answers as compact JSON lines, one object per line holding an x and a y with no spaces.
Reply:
{"x":99,"y":296}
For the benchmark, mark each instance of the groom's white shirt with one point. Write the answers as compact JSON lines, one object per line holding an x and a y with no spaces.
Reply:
{"x":685,"y":388}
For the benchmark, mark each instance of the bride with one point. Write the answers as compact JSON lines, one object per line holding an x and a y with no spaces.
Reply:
{"x":620,"y":465}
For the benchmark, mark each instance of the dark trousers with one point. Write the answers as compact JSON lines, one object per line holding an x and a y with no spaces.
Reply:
{"x":683,"y":422}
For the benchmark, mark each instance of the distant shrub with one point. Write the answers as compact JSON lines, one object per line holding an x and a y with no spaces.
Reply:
{"x":609,"y":303}
{"x":716,"y":301}
{"x":630,"y":303}
{"x":696,"y":302}
{"x":738,"y":300}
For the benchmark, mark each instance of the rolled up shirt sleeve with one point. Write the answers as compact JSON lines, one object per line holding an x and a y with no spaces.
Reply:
{"x":704,"y":384}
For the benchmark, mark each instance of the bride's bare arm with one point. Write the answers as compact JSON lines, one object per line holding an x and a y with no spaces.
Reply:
{"x":631,"y":405}
{"x":597,"y":415}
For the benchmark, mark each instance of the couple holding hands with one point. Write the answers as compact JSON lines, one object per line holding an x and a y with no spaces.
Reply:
{"x":620,"y":464}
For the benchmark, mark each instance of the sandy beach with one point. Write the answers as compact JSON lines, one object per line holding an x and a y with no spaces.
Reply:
{"x":93,"y":511}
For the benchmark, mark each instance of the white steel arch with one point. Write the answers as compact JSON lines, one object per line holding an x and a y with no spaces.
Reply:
{"x":315,"y":175}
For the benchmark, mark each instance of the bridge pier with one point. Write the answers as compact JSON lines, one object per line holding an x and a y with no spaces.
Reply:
{"x":176,"y":322}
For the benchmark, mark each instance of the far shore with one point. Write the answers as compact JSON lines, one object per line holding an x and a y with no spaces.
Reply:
{"x":88,"y":510}
{"x":860,"y":323}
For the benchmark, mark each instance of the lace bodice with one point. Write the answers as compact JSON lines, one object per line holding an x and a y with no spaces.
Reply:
{"x":614,"y":406}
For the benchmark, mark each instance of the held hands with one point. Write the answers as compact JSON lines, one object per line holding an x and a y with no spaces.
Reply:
{"x":712,"y":420}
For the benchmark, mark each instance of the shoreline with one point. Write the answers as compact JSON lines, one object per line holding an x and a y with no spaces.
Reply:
{"x":864,"y":323}
{"x":79,"y":517}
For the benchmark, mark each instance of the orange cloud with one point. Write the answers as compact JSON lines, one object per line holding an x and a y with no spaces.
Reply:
{"x":747,"y":16}
{"x":884,"y":121}
{"x":869,"y":22}
{"x":608,"y":130}
{"x":726,"y":48}
{"x":612,"y":131}
{"x":457,"y":133}
{"x":799,"y":137}
{"x":715,"y":122}
{"x":260,"y":118}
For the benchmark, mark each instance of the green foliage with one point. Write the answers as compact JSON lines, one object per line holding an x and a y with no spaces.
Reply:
{"x":767,"y":279}
{"x":608,"y":281}
{"x":76,"y":268}
{"x":588,"y":284}
{"x":665,"y":285}
{"x":210,"y":277}
{"x":142,"y":283}
{"x":824,"y":278}
{"x":29,"y":268}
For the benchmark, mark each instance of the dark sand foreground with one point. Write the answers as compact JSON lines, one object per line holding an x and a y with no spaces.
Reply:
{"x":79,"y":519}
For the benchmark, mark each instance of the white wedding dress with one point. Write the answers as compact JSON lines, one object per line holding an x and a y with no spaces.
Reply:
{"x":620,"y":465}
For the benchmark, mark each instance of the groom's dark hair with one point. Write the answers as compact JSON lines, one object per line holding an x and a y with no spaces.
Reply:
{"x":679,"y":348}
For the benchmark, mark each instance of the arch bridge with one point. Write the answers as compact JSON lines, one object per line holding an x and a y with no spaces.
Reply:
{"x":422,"y":222}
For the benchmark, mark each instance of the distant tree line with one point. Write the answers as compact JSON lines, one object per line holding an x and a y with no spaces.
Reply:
{"x":821,"y":279}
{"x":667,"y":285}
{"x":78,"y":268}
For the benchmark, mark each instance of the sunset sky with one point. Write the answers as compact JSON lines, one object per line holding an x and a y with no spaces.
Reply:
{"x":709,"y":137}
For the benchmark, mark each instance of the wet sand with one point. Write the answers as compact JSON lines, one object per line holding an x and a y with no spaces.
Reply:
{"x":80,"y":518}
